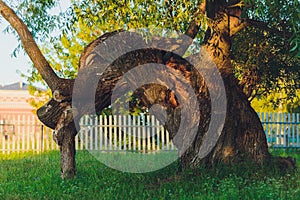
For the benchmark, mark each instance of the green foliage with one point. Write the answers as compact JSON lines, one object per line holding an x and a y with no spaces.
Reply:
{"x":29,"y":176}
{"x":277,"y":102}
{"x":264,"y":62}
{"x":282,"y":15}
{"x":36,"y":15}
{"x":267,"y":62}
{"x":39,"y":96}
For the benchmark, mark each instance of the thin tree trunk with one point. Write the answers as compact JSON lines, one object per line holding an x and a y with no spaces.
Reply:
{"x":59,"y":116}
{"x":68,"y":152}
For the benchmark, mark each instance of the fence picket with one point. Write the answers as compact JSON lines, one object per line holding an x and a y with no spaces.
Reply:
{"x":129,"y":128}
{"x":120,"y":131}
{"x":148,"y":133}
{"x":153,"y":126}
{"x":32,"y":139}
{"x":293,"y":130}
{"x":124,"y":133}
{"x":157,"y":128}
{"x":144,"y":133}
{"x":139,"y":132}
{"x":288,"y":129}
{"x":96,"y":132}
{"x":278,"y":131}
{"x":101,"y":132}
{"x":134,"y":125}
{"x":13,"y":147}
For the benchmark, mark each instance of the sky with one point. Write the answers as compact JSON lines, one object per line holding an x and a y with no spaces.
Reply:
{"x":9,"y":65}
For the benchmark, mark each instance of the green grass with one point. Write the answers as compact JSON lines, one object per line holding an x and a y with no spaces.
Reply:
{"x":31,"y":176}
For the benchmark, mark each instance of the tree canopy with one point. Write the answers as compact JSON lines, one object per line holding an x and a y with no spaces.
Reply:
{"x":265,"y":54}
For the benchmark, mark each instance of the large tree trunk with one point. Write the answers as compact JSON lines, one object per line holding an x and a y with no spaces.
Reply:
{"x":242,"y":137}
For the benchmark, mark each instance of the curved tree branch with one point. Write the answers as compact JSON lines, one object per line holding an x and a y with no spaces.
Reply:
{"x":30,"y":46}
{"x":260,"y":25}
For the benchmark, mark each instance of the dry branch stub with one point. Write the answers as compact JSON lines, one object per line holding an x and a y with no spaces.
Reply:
{"x":124,"y":63}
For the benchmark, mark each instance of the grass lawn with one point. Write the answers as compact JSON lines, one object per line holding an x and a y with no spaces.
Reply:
{"x":31,"y":176}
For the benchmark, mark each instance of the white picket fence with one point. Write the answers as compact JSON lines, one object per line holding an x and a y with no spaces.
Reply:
{"x":282,"y":129}
{"x":106,"y":133}
{"x":127,"y":133}
{"x":141,"y":133}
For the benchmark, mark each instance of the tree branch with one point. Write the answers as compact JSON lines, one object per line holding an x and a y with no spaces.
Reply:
{"x":30,"y":46}
{"x":260,"y":25}
{"x":192,"y":30}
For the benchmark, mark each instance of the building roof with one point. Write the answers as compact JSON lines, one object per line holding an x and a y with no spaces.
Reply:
{"x":14,"y":97}
{"x":15,"y":86}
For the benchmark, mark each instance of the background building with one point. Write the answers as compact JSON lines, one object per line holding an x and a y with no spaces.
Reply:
{"x":14,"y":100}
{"x":15,"y":110}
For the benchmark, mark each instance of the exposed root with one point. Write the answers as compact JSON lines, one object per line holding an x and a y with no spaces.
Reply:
{"x":285,"y":164}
